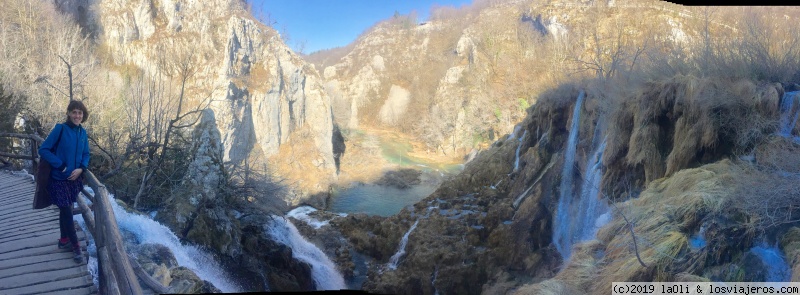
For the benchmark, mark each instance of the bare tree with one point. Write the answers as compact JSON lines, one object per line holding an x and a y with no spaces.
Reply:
{"x":37,"y":41}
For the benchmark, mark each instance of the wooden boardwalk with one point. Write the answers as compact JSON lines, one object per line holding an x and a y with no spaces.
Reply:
{"x":30,"y":261}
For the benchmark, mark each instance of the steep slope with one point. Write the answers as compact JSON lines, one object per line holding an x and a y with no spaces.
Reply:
{"x":263,"y":95}
{"x":493,"y":228}
{"x":465,"y":77}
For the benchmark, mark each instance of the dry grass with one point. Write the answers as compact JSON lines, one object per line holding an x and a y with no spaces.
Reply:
{"x":766,"y":192}
{"x":681,"y":122}
{"x":661,"y":217}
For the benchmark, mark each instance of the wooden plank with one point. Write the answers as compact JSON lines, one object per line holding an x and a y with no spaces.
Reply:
{"x":25,"y":209}
{"x":65,"y":262}
{"x":26,"y":260}
{"x":30,"y":252}
{"x":31,"y":242}
{"x":14,"y":180}
{"x":27,"y":213}
{"x":25,"y":221}
{"x":19,"y":207}
{"x":14,"y":195}
{"x":50,"y":232}
{"x":78,"y":291}
{"x":31,"y":279}
{"x":16,"y":199}
{"x":16,"y":204}
{"x":24,"y":230}
{"x":30,"y":261}
{"x":54,"y":286}
{"x":16,"y":189}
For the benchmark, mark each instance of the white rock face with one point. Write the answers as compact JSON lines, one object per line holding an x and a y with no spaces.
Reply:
{"x":261,"y":90}
{"x":395,"y":106}
{"x":377,"y":63}
{"x":205,"y":172}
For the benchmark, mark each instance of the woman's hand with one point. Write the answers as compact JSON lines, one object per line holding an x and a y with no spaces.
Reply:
{"x":75,"y":173}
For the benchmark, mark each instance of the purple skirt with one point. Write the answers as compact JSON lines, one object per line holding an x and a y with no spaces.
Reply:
{"x":63,"y":193}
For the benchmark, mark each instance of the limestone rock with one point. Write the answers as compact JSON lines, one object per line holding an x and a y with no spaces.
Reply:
{"x":200,"y":212}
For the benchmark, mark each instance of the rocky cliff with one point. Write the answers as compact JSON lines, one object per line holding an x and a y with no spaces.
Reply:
{"x":465,"y":76}
{"x":493,"y":228}
{"x":261,"y":92}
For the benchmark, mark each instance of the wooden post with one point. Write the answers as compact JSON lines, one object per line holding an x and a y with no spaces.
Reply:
{"x":104,"y":217}
{"x":116,"y":274}
{"x":88,"y":217}
{"x":108,"y":282}
{"x":34,"y":156}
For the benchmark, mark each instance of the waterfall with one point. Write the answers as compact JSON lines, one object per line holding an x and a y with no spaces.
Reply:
{"x":777,"y":269}
{"x":579,"y":220}
{"x":514,"y":133}
{"x":323,"y":270}
{"x":562,"y":237}
{"x":592,"y":208}
{"x":402,"y":250}
{"x":302,"y":213}
{"x":789,"y":113}
{"x":145,"y":230}
{"x":519,"y":146}
{"x":698,"y":241}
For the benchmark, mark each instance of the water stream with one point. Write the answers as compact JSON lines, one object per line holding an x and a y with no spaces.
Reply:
{"x":402,"y":249}
{"x":323,"y":270}
{"x":772,"y":258}
{"x":519,"y":146}
{"x":789,"y":113}
{"x":562,"y":236}
{"x":580,"y":214}
{"x":143,"y":230}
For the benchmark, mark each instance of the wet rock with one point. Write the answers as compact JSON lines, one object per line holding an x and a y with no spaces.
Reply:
{"x":185,"y":281}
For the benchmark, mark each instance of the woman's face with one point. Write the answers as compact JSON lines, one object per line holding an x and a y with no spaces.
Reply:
{"x":76,"y":116}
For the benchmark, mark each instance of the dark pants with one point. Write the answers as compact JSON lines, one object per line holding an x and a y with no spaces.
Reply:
{"x":67,"y":225}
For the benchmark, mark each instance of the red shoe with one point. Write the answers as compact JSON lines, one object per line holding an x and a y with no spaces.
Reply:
{"x":64,"y":243}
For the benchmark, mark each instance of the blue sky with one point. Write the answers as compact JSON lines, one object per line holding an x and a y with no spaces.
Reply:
{"x":322,"y":24}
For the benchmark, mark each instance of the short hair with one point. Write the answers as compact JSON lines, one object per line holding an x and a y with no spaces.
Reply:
{"x":76,"y":104}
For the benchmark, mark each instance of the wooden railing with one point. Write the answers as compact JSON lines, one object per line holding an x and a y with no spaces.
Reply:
{"x":35,"y":141}
{"x":118,"y":271}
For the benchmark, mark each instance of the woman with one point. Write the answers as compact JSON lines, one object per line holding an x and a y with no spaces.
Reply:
{"x":66,"y":149}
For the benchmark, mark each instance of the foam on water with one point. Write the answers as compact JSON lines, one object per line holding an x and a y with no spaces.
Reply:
{"x":323,"y":271}
{"x":402,"y":249}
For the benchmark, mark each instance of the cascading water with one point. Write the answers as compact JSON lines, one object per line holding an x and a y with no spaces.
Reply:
{"x":302,"y":213}
{"x":789,"y":113}
{"x":144,"y":230}
{"x":323,"y":271}
{"x":402,"y":250}
{"x":562,"y":237}
{"x":777,"y":269}
{"x":592,"y":208}
{"x":580,"y":221}
{"x":519,"y":146}
{"x":514,"y":133}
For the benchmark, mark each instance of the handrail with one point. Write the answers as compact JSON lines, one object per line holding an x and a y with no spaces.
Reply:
{"x":108,"y":240}
{"x":116,"y":267}
{"x":35,"y":142}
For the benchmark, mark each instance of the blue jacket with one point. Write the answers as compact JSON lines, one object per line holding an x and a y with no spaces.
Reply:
{"x":72,"y":151}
